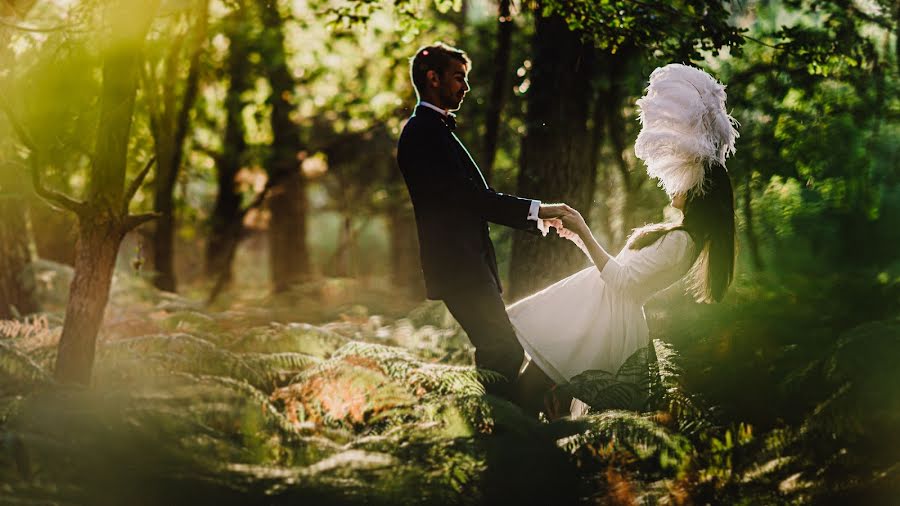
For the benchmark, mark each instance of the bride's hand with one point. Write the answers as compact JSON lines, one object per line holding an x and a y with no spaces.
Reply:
{"x":567,"y":234}
{"x":574,"y":223}
{"x":555,"y":223}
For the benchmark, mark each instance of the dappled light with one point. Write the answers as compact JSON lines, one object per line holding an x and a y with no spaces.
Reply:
{"x":247,"y":255}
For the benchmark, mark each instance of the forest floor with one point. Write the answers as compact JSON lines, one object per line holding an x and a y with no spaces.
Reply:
{"x":339,"y":393}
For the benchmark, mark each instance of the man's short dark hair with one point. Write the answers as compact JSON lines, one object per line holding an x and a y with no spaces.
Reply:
{"x":435,"y":57}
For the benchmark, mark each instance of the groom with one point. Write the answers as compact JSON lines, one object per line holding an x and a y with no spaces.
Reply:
{"x":452,"y":204}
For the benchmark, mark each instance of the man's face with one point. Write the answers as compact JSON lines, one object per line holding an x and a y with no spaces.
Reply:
{"x":453,"y":85}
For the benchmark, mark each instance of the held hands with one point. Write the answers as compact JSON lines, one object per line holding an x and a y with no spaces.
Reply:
{"x":567,"y":221}
{"x":569,"y":225}
{"x":550,"y":211}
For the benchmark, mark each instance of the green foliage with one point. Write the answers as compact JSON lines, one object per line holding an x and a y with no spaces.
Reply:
{"x":18,"y":371}
{"x":675,"y":30}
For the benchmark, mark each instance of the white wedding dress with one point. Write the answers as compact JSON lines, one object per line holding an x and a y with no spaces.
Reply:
{"x":595,"y":319}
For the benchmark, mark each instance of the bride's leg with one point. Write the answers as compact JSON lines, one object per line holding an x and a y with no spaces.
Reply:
{"x":531,"y":386}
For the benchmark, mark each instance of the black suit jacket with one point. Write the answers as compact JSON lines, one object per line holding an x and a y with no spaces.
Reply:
{"x":452,"y":204}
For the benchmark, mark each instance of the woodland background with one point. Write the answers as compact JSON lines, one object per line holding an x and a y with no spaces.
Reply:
{"x":209,"y":284}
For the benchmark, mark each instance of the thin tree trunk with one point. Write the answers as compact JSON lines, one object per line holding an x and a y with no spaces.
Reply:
{"x":224,"y":232}
{"x":616,"y":127}
{"x":598,"y":135}
{"x":752,"y":240}
{"x":556,"y":151}
{"x":163,"y":240}
{"x":289,"y":255}
{"x":170,"y":136}
{"x":16,"y":280}
{"x":498,"y":88}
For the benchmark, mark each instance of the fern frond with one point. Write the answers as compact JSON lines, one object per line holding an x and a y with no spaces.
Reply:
{"x":666,"y":393}
{"x":343,"y":392}
{"x":625,"y":430}
{"x":235,"y":390}
{"x":294,"y":338}
{"x":19,"y":370}
{"x":179,"y":352}
{"x":278,"y":368}
{"x":602,"y":390}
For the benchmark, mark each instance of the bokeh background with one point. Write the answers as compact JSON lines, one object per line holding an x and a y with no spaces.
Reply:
{"x":209,"y":282}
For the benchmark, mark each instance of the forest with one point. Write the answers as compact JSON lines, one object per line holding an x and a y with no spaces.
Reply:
{"x":211,"y":289}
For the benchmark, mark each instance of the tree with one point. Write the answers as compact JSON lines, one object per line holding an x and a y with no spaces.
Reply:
{"x":226,"y":224}
{"x":499,"y":84}
{"x":288,"y":252}
{"x":555,"y":157}
{"x":103,"y":216}
{"x":169,"y":125}
{"x":16,"y":281}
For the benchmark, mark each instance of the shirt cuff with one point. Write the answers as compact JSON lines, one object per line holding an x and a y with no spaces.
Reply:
{"x":534,"y":209}
{"x":533,"y":216}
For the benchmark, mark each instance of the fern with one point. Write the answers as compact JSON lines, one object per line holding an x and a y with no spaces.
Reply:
{"x":625,"y":430}
{"x":294,"y":338}
{"x":19,"y":370}
{"x":665,"y":392}
{"x":220,"y":408}
{"x":179,"y":352}
{"x":278,"y":368}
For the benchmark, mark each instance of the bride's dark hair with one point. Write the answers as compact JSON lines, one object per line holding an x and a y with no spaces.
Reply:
{"x":709,"y":218}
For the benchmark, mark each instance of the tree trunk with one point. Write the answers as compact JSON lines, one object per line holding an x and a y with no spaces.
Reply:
{"x":556,"y":151}
{"x":752,"y":240}
{"x":287,"y":232}
{"x":498,"y":88}
{"x":616,"y":123}
{"x":224,"y":231}
{"x":95,"y":259}
{"x":163,"y":240}
{"x":406,"y":267}
{"x":170,"y":134}
{"x":16,"y":280}
{"x":598,"y":135}
{"x":104,"y":218}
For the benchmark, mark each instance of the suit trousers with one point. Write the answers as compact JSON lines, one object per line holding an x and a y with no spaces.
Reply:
{"x":481,"y":312}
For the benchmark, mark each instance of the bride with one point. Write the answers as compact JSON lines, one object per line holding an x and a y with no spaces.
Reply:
{"x":594,"y":319}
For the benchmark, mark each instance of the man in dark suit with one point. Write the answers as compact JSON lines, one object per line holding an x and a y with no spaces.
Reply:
{"x":453,"y":205}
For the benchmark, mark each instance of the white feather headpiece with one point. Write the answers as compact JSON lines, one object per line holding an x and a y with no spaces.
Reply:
{"x":685,"y":127}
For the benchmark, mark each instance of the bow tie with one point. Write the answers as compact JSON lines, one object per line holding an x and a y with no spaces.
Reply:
{"x":450,"y":121}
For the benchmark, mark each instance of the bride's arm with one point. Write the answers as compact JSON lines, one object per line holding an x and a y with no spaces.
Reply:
{"x":574,"y":224}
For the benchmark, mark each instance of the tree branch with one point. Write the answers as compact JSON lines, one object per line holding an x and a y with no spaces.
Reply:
{"x":136,"y":184}
{"x":208,"y":151}
{"x":50,"y":196}
{"x":133,"y":221}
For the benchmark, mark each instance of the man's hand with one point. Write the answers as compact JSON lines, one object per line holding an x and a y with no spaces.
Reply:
{"x":547,"y":211}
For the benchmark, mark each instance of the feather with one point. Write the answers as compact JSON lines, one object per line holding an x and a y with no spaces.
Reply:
{"x":684,"y":127}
